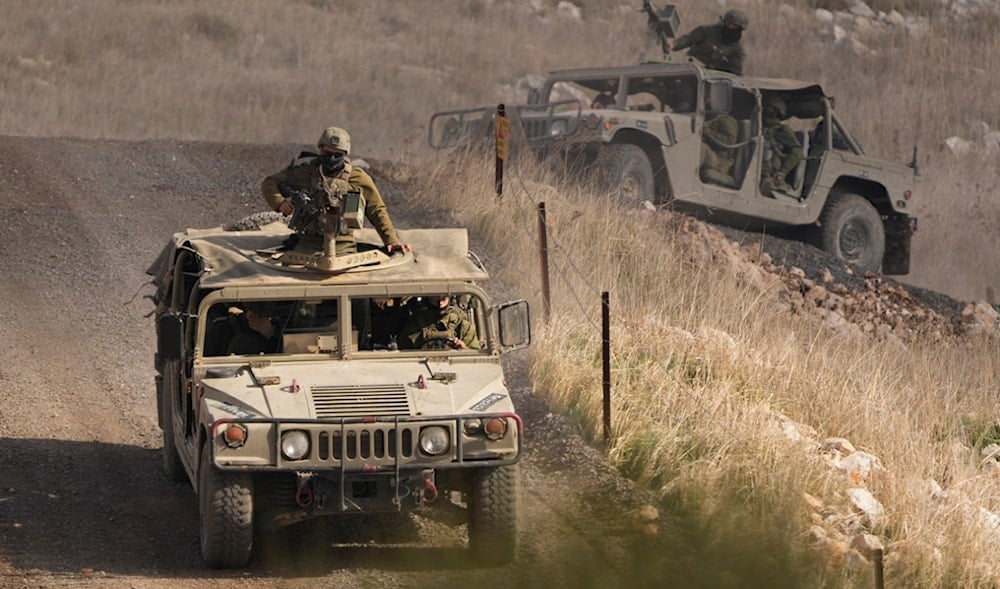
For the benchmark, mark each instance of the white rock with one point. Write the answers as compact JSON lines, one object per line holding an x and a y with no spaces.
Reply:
{"x":824,"y":16}
{"x":862,"y":9}
{"x":957,"y":146}
{"x":568,"y":10}
{"x":860,"y":466}
{"x":866,"y":503}
{"x":992,"y":140}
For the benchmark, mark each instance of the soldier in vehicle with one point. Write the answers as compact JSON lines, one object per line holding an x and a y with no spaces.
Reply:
{"x":436,"y":322}
{"x":717,"y":46}
{"x":718,"y":142}
{"x":782,"y":150}
{"x":332,"y":171}
{"x":251,"y":332}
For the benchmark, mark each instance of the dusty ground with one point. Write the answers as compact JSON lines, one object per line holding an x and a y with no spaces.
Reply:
{"x":82,"y":499}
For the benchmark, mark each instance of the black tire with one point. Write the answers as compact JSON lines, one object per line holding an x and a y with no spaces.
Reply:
{"x":172,"y":465}
{"x":225,"y":509}
{"x":626,"y":173}
{"x":493,"y":515}
{"x":255,"y":221}
{"x":852,"y":230}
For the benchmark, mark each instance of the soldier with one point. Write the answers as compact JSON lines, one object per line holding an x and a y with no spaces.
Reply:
{"x":331,"y":170}
{"x":718,"y":141}
{"x":782,"y":150}
{"x":717,"y":46}
{"x":436,"y":323}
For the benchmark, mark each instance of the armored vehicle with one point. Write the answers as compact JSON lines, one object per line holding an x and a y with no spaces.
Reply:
{"x":640,"y":130}
{"x":287,"y":391}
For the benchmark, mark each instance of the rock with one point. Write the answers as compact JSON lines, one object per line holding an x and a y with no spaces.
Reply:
{"x":823,"y":16}
{"x":957,"y":146}
{"x":854,"y":560}
{"x":864,"y":501}
{"x":896,"y":19}
{"x":841,"y":445}
{"x":976,"y":129}
{"x":860,"y":466}
{"x":816,"y":535}
{"x":861,"y":9}
{"x":568,"y":10}
{"x":646,"y":513}
{"x":990,"y":452}
{"x":866,"y":544}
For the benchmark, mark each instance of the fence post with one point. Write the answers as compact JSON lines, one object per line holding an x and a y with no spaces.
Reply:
{"x":606,"y":361}
{"x":543,"y":253}
{"x":502,"y":139}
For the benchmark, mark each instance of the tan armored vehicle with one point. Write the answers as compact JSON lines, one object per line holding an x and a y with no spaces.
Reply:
{"x":287,"y":392}
{"x":640,"y":130}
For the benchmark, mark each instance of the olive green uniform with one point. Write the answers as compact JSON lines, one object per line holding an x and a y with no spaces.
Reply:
{"x":308,"y":176}
{"x":705,"y":43}
{"x":782,"y":151}
{"x":429,"y":322}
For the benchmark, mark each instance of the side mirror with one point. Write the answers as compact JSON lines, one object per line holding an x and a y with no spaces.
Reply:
{"x":533,"y":96}
{"x":170,"y":337}
{"x":515,"y":325}
{"x":718,"y":96}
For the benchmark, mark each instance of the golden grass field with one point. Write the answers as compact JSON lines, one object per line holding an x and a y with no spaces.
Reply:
{"x":701,"y":362}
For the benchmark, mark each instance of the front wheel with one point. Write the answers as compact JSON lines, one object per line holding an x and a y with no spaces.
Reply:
{"x":225,"y":509}
{"x":852,"y":230}
{"x":493,"y":515}
{"x":626,"y":173}
{"x":172,"y":465}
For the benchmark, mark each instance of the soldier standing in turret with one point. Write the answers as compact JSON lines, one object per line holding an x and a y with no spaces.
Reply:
{"x":717,"y":46}
{"x":332,"y":171}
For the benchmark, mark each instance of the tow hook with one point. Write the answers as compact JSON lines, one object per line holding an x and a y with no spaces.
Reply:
{"x":304,"y":494}
{"x":430,"y":494}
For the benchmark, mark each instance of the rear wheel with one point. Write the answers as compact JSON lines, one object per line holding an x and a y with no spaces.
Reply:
{"x":493,"y":515}
{"x":225,"y":508}
{"x":853,"y":231}
{"x":626,"y":173}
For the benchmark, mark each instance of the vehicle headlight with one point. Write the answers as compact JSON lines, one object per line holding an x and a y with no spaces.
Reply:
{"x":294,"y":444}
{"x":558,"y":127}
{"x":434,"y":440}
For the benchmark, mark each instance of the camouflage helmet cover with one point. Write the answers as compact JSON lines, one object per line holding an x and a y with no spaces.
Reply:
{"x":336,"y":138}
{"x":737,"y":18}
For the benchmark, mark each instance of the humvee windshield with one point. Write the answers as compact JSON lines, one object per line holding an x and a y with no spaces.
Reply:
{"x":312,"y":326}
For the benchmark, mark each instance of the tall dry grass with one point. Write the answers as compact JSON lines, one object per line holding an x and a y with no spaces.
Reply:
{"x":701,"y":363}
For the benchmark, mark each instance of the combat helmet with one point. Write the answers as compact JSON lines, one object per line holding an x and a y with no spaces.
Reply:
{"x":776,"y":105}
{"x":336,"y":138}
{"x":737,"y":18}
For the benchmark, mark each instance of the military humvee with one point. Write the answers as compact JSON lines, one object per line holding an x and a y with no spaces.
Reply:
{"x":332,"y":414}
{"x":641,"y":127}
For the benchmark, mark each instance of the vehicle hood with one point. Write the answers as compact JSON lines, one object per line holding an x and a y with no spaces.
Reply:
{"x":346,"y":389}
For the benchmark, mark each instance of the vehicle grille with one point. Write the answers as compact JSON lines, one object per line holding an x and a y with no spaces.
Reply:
{"x":366,"y":442}
{"x":360,"y":401}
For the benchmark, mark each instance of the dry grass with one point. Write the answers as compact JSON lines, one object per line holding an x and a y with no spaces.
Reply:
{"x":701,"y":363}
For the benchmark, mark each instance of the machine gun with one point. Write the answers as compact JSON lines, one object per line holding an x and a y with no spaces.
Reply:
{"x":662,"y":24}
{"x":321,"y":214}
